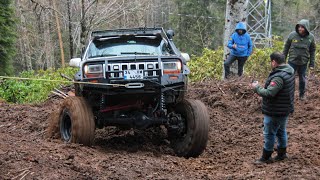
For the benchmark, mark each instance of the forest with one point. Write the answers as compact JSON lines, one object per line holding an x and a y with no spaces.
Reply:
{"x":29,"y":38}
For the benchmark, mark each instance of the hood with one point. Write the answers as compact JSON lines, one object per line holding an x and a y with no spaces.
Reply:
{"x":287,"y":68}
{"x":241,"y":26}
{"x":305,"y":24}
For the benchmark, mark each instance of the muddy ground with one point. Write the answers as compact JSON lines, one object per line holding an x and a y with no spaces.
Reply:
{"x":235,"y":141}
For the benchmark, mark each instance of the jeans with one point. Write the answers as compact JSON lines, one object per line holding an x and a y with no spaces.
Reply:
{"x":301,"y":69}
{"x":275,"y":127}
{"x":230,"y":60}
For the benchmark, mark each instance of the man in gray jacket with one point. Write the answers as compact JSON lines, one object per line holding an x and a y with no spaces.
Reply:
{"x":301,"y":48}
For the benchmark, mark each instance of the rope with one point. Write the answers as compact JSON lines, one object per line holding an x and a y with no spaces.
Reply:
{"x":62,"y":81}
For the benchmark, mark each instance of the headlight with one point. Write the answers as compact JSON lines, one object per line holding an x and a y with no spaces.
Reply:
{"x":93,"y":71}
{"x":171,"y":67}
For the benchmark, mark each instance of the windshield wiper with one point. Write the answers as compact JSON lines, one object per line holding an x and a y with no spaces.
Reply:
{"x":103,"y":55}
{"x":136,"y":53}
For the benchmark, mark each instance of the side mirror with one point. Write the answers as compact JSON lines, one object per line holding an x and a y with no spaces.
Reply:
{"x":170,"y":34}
{"x":75,"y":62}
{"x":185,"y":56}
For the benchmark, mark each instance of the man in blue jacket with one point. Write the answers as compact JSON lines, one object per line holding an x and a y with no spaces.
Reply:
{"x":240,"y":45}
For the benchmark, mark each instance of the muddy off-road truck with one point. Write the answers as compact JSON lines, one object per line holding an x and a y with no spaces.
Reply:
{"x":134,"y":78}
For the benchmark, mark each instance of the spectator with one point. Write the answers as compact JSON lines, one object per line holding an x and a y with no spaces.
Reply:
{"x":240,"y":45}
{"x":301,"y":48}
{"x":277,"y":104}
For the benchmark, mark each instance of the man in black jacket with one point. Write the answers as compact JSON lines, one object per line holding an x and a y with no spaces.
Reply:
{"x":277,"y":104}
{"x":301,"y":48}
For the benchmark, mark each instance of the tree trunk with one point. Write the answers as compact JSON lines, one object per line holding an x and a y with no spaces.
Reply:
{"x":48,"y":43}
{"x":236,"y":11}
{"x":59,"y":34}
{"x":83,"y":31}
{"x":70,"y":29}
{"x":24,"y":45}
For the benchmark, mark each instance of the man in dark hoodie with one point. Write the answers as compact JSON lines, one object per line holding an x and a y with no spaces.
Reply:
{"x":240,"y":45}
{"x":277,"y":104}
{"x":301,"y":48}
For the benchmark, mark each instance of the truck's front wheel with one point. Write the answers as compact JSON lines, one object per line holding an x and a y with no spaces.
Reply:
{"x":76,"y":121}
{"x":193,"y":139}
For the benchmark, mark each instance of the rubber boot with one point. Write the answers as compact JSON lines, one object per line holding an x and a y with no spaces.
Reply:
{"x":302,"y":97}
{"x":265,"y":158}
{"x":281,"y":154}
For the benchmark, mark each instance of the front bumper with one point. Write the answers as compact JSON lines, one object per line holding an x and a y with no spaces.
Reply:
{"x":164,"y":83}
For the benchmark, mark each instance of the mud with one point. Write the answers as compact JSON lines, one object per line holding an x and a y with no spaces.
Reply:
{"x":235,"y":141}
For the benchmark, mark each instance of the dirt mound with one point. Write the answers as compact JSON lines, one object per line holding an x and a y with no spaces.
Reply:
{"x":235,"y":140}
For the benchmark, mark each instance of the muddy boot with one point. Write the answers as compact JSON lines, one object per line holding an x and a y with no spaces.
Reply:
{"x":302,"y":97}
{"x":265,"y":158}
{"x":281,"y":154}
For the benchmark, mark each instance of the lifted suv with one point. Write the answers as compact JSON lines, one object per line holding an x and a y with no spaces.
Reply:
{"x":134,"y":78}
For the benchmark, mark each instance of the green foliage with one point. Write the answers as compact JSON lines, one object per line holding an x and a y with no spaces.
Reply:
{"x":258,"y":64}
{"x":27,"y":91}
{"x":7,"y":37}
{"x":210,"y":64}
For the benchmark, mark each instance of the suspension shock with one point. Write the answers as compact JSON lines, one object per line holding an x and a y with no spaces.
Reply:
{"x":162,"y":102}
{"x":163,"y":107}
{"x":102,"y":102}
{"x":98,"y":118}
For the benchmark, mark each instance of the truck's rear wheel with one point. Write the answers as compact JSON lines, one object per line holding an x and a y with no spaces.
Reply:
{"x":193,"y":140}
{"x":76,"y":121}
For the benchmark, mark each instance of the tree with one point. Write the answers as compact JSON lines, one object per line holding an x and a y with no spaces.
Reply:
{"x":236,"y":11}
{"x":7,"y":37}
{"x":317,"y":18}
{"x":286,"y":13}
{"x":70,"y":28}
{"x":36,"y":43}
{"x":198,"y":24}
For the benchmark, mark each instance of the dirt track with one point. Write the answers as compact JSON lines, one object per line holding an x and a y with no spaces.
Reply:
{"x":235,"y":141}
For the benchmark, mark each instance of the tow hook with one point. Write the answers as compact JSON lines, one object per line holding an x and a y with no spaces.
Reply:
{"x":134,"y":85}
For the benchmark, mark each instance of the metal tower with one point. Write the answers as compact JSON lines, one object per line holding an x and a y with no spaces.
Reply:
{"x":259,"y":22}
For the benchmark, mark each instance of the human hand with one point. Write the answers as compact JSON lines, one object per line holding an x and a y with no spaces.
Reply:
{"x":234,"y":46}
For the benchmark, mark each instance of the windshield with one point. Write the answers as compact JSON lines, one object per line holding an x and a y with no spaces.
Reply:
{"x":127,"y":46}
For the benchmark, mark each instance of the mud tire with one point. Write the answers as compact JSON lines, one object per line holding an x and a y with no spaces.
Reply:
{"x":193,"y":141}
{"x":76,"y":121}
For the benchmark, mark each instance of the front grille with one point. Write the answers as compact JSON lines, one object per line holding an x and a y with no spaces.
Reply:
{"x":150,"y":69}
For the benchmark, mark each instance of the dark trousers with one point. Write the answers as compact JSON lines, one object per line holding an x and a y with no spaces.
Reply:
{"x":301,"y":69}
{"x":230,"y":60}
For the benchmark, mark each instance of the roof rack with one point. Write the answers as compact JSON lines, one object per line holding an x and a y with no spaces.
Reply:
{"x":127,"y":32}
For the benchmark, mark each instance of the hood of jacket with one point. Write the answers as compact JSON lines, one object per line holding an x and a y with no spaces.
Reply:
{"x":286,"y":67}
{"x":241,"y":26}
{"x":305,"y":24}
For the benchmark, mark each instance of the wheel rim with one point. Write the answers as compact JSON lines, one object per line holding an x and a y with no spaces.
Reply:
{"x":65,"y":126}
{"x":183,"y":113}
{"x":181,"y":135}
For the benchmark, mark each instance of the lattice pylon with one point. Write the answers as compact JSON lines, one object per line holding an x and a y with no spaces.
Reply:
{"x":259,"y":22}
